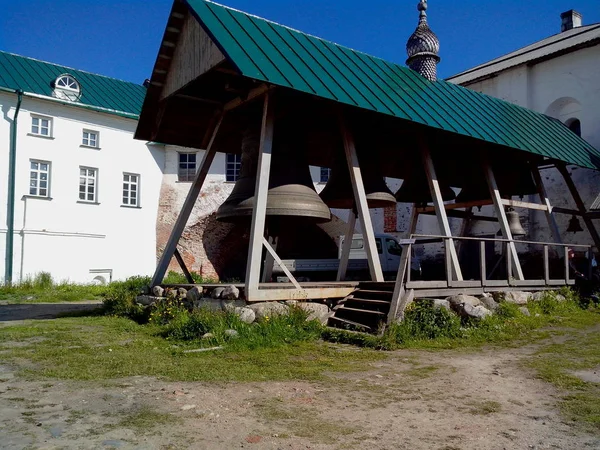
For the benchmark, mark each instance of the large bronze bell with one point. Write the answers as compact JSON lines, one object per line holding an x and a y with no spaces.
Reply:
{"x":338,"y":192}
{"x":514,"y":223}
{"x":415,"y":189}
{"x":515,"y":181}
{"x":574,"y":225}
{"x":291,"y":191}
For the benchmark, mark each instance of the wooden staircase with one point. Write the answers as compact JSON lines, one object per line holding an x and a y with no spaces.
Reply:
{"x":365,"y":309}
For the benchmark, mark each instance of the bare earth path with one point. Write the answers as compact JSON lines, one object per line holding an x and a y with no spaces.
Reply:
{"x":412,"y":400}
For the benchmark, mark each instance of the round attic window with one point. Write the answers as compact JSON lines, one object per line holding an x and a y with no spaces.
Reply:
{"x":66,"y":87}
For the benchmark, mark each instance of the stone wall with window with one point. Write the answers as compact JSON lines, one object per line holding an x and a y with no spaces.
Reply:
{"x":86,"y":193}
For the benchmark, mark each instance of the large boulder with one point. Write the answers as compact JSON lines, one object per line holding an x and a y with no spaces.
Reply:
{"x":230,"y":293}
{"x":516,"y":297}
{"x":147,"y":300}
{"x":439,"y":304}
{"x":268,"y":309}
{"x":216,"y":292}
{"x":194,"y":294}
{"x":489,"y":303}
{"x":245,"y":314}
{"x":474,"y":312}
{"x":316,"y":311}
{"x":524,"y":311}
{"x":158,"y":291}
{"x":537,"y":296}
{"x":457,"y":300}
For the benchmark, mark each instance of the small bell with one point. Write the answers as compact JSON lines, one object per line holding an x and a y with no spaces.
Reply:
{"x":574,"y":225}
{"x":514,"y":223}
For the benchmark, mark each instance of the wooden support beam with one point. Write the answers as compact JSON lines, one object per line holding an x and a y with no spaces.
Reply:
{"x":269,"y":261}
{"x":450,"y":206}
{"x":254,"y":93}
{"x":593,"y":215}
{"x":562,"y":168}
{"x":436,"y":195}
{"x":495,"y":193}
{"x":343,"y":267}
{"x":465,"y":215}
{"x":399,"y":289}
{"x":537,"y":177}
{"x":360,"y":200}
{"x":257,"y":230}
{"x":568,"y":211}
{"x":186,"y":272}
{"x":521,"y":204}
{"x":277,"y":259}
{"x":186,"y":210}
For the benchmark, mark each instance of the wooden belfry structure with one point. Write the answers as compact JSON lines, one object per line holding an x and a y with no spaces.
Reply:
{"x":226,"y":81}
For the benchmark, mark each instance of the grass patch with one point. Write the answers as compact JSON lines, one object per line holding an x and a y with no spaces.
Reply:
{"x":43,"y":289}
{"x":103,"y":348}
{"x":145,"y":419}
{"x":558,"y":363}
{"x":485,"y":408}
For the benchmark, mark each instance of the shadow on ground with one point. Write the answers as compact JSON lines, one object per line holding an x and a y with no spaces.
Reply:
{"x":40,"y":311}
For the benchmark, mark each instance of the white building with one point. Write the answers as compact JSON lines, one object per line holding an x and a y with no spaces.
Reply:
{"x":557,"y":76}
{"x":85,"y":193}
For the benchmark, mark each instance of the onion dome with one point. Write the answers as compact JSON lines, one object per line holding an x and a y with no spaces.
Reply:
{"x":423,"y":47}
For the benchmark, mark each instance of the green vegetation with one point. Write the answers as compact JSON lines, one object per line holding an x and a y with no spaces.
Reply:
{"x":485,"y":408}
{"x":565,"y":366}
{"x":43,"y":289}
{"x":144,"y":419}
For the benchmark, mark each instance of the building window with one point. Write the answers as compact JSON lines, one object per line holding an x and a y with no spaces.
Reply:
{"x":131,"y":189}
{"x":88,"y":184}
{"x":234,"y":162}
{"x":575,"y":126}
{"x":39,"y":178}
{"x":325,"y":174}
{"x":187,"y":166}
{"x":41,"y":126}
{"x":89,"y":138}
{"x":66,"y":87}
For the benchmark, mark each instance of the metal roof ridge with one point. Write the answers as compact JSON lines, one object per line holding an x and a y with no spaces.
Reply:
{"x":521,"y":51}
{"x":70,"y":68}
{"x":299,"y":31}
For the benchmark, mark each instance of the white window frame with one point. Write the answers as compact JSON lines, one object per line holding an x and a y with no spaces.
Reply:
{"x":39,"y":126}
{"x":127,"y":199}
{"x":87,"y":141}
{"x":233,"y":163}
{"x":70,"y":89}
{"x":87,"y":184}
{"x":38,"y":178}
{"x":186,"y":175}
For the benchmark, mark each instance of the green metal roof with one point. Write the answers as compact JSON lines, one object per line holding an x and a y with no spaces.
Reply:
{"x":276,"y":54}
{"x":98,"y":93}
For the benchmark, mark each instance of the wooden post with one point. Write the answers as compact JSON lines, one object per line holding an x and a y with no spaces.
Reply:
{"x":269,"y":260}
{"x":502,"y":220}
{"x":343,"y":267}
{"x":482,"y":263}
{"x":537,"y":177}
{"x":360,"y":200}
{"x":273,"y":254}
{"x":440,"y":211}
{"x":399,"y":289}
{"x":562,"y":168}
{"x":260,"y":198}
{"x":546,"y":266}
{"x":186,"y":210}
{"x":186,"y":272}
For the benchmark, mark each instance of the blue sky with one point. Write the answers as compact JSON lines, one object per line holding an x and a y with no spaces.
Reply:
{"x":121,"y":38}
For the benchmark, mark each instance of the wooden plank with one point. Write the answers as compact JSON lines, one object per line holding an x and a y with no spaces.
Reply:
{"x":562,"y":168}
{"x":464,"y":215}
{"x":570,"y":212}
{"x":260,"y":198}
{"x":427,"y":284}
{"x":546,"y":265}
{"x":343,"y":267}
{"x":537,"y":177}
{"x":186,"y":210}
{"x":269,"y":261}
{"x":526,"y":205}
{"x":194,"y":55}
{"x":274,"y":256}
{"x":451,"y":206}
{"x":291,"y":293}
{"x":567,"y":267}
{"x":512,"y":249}
{"x":436,"y":195}
{"x":399,"y":285}
{"x":528,"y":282}
{"x":360,"y":200}
{"x":181,"y":262}
{"x":482,"y":263}
{"x":253,"y":94}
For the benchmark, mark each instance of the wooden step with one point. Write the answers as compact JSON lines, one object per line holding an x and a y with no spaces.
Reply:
{"x":387,"y":286}
{"x":371,"y":294}
{"x":350,"y":322}
{"x":370,"y":301}
{"x":373,"y":305}
{"x":361,"y":311}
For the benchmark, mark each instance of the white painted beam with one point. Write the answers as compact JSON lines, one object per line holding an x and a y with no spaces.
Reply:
{"x":343,"y":267}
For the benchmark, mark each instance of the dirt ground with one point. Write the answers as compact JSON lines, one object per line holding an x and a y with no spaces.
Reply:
{"x":482,"y":399}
